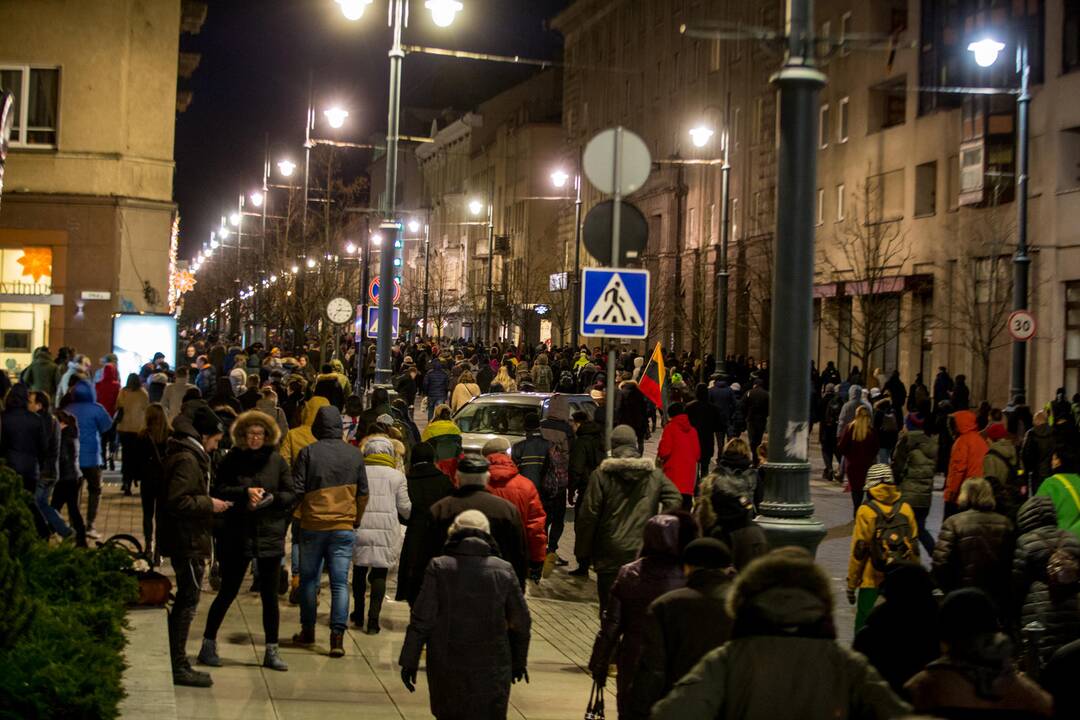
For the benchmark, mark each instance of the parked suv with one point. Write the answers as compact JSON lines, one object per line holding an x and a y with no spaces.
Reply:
{"x":503,"y":415}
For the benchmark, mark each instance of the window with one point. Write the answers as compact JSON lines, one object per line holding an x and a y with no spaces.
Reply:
{"x":1072,"y":338}
{"x":885,"y":196}
{"x":715,"y":55}
{"x":926,"y":189}
{"x":36,"y":92}
{"x":888,"y":104}
{"x":821,"y":206}
{"x":845,"y":30}
{"x":840,"y":202}
{"x":887,"y":355}
{"x":842,"y":123}
{"x":823,"y":128}
{"x":759,"y":119}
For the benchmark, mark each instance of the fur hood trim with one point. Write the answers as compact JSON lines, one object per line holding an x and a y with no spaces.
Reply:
{"x":634,"y":466}
{"x":238,"y":432}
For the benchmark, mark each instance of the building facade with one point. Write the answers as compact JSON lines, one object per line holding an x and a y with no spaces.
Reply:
{"x":87,"y":220}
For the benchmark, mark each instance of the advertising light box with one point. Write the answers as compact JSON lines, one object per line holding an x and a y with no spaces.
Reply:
{"x":137,"y":337}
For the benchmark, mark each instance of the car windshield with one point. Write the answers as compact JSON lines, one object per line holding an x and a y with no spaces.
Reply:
{"x":495,"y":418}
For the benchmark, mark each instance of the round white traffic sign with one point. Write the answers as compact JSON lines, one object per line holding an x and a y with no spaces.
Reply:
{"x":599,"y":162}
{"x":1022,"y":325}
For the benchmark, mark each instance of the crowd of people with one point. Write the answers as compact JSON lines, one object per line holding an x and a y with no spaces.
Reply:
{"x":252,"y":460}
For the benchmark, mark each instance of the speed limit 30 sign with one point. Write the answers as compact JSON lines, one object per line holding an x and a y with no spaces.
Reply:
{"x":1022,"y":325}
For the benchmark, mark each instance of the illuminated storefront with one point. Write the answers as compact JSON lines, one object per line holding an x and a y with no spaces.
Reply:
{"x":26,"y":300}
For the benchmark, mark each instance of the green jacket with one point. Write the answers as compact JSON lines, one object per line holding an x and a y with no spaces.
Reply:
{"x":623,"y":493}
{"x":913,"y":466}
{"x":1064,"y":491}
{"x":40,"y":374}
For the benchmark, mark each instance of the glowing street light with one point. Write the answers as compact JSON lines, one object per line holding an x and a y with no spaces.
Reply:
{"x":213,"y":242}
{"x":336,"y":116}
{"x":559,"y":178}
{"x":414,"y":226}
{"x":223,"y":233}
{"x":443,"y":11}
{"x":286,"y":167}
{"x":701,"y":135}
{"x":986,"y":51}
{"x":353,"y":9}
{"x":257,"y":198}
{"x":350,"y":248}
{"x":376,"y":239}
{"x":475,"y":207}
{"x":295,"y":269}
{"x":234,"y":219}
{"x":311,"y":262}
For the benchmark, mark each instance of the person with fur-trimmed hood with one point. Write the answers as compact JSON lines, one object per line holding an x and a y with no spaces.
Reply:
{"x":255,"y":478}
{"x":783,"y":659}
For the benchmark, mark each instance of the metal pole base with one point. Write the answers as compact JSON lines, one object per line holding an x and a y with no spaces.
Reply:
{"x":786,"y":511}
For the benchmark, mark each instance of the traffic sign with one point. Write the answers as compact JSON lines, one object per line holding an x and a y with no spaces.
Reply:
{"x":373,"y":290}
{"x":633,"y":232}
{"x":615,"y":303}
{"x":634,"y":165}
{"x":373,"y":322}
{"x":1022,"y":325}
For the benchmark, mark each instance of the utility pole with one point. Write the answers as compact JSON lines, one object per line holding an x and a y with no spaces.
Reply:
{"x":427,"y":275}
{"x":786,"y":511}
{"x":577,"y":260}
{"x":722,"y":275}
{"x":1021,"y":260}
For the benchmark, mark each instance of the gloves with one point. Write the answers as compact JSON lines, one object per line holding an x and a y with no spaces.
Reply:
{"x":408,"y":676}
{"x":519,"y":674}
{"x":536,"y":571}
{"x":851,"y":596}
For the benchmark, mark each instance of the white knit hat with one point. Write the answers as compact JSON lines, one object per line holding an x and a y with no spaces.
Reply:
{"x":878,"y":474}
{"x":470,"y":520}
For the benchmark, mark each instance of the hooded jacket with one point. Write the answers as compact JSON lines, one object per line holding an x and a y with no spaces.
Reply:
{"x":254,"y":533}
{"x":847,"y":412}
{"x":436,"y":383}
{"x":301,"y":436}
{"x":913,"y":463}
{"x":93,"y":420}
{"x":25,"y":438}
{"x":556,"y":428}
{"x":1064,"y":491}
{"x":1000,"y":459}
{"x":41,"y":375}
{"x":427,"y":485}
{"x":185,"y":511}
{"x":329,"y":476}
{"x":1040,"y":536}
{"x":586,"y":454}
{"x":968,"y":450}
{"x":638,"y":583}
{"x":108,"y":388}
{"x":472,"y":617}
{"x":378,"y":539}
{"x":680,"y":451}
{"x":1036,"y":453}
{"x":623,"y":493}
{"x":861,"y":572}
{"x":504,"y":481}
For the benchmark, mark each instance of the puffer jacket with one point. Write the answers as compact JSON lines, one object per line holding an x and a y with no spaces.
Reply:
{"x":378,"y":540}
{"x":92,"y":420}
{"x":531,"y":456}
{"x":25,"y":438}
{"x":680,"y":451}
{"x":185,"y":511}
{"x":861,"y":572}
{"x":436,"y":383}
{"x":973,"y":550}
{"x":505,"y":482}
{"x":966,"y":458}
{"x":254,"y":533}
{"x":301,"y":436}
{"x":1064,"y":491}
{"x":999,"y":459}
{"x":913,"y":466}
{"x":623,"y":493}
{"x":329,"y":477}
{"x":638,"y":583}
{"x":1039,"y":537}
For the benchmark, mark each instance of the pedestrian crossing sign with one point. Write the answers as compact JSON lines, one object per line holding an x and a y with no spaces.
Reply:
{"x":615,"y":303}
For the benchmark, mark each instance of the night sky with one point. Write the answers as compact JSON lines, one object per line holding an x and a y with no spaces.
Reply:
{"x":253,"y":80}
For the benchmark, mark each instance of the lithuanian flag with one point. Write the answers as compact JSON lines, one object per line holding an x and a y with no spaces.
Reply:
{"x":653,"y":381}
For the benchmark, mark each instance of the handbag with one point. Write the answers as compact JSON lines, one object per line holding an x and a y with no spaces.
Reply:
{"x":154,"y":588}
{"x":595,"y":709}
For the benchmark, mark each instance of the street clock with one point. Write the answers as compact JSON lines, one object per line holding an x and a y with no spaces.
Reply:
{"x":339,"y":310}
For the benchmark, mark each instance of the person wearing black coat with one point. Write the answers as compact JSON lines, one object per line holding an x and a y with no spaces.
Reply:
{"x":630,"y":410}
{"x":723,"y":399}
{"x":675,"y":638}
{"x":185,"y":518}
{"x":705,"y":419}
{"x":427,"y":485}
{"x":756,"y":412}
{"x":897,"y":392}
{"x":24,"y":440}
{"x":472,"y":618}
{"x":255,"y":478}
{"x":974,"y":546}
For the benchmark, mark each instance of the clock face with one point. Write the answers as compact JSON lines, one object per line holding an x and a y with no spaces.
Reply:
{"x":339,"y":310}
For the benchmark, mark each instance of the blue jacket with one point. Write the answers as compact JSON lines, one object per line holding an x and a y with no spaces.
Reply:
{"x":93,"y":420}
{"x":436,"y":382}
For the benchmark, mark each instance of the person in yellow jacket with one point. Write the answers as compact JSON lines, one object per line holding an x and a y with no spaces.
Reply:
{"x":298,"y":439}
{"x":885,"y":534}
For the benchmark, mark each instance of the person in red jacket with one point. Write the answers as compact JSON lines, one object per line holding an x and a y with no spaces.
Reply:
{"x":506,"y":482}
{"x":107,"y":389}
{"x":679,"y":452}
{"x":966,"y":460}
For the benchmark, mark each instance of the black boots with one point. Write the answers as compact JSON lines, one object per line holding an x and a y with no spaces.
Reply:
{"x":306,"y":636}
{"x":337,"y":644}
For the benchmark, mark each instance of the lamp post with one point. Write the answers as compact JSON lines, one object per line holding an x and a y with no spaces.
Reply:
{"x":986,"y":53}
{"x":427,"y":275}
{"x":558,"y":179}
{"x":722,"y":275}
{"x":476,"y":207}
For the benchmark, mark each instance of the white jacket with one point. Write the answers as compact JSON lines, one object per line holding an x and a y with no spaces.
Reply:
{"x":378,"y":539}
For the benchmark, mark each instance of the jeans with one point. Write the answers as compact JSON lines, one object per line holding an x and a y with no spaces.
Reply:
{"x":93,"y":483}
{"x":432,"y":403}
{"x":336,"y":548}
{"x":361,"y":576}
{"x":66,"y":494}
{"x":233,"y":570}
{"x":555,"y":509}
{"x":294,"y":554}
{"x":189,"y":577}
{"x":41,"y":496}
{"x":925,"y":537}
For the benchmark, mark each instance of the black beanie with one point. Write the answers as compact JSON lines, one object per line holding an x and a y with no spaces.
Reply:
{"x":708,"y":553}
{"x":206,"y":422}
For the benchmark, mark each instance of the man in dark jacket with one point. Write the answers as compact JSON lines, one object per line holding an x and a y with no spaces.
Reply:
{"x":185,"y":519}
{"x":531,"y":454}
{"x":472,"y":494}
{"x":623,"y":493}
{"x":557,"y":430}
{"x":943,"y":385}
{"x":331,"y":485}
{"x":756,"y":411}
{"x":630,"y":409}
{"x":24,"y":439}
{"x":675,"y":637}
{"x":427,"y":485}
{"x":41,"y":373}
{"x":585,"y":457}
{"x":705,"y":419}
{"x":436,"y":386}
{"x":1037,"y":451}
{"x":723,"y":399}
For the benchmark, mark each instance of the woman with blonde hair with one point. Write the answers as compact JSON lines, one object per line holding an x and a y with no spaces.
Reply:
{"x":975,"y":547}
{"x":465,"y":390}
{"x":858,"y":447}
{"x":503,"y":378}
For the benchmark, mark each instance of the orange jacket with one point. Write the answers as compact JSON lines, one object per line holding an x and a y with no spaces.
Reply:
{"x":505,"y":482}
{"x":968,"y":449}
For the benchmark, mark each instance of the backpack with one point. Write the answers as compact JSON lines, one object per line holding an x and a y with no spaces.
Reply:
{"x":888,"y":422}
{"x":1010,"y":481}
{"x":892,"y":541}
{"x":832,"y":410}
{"x":1062,"y":570}
{"x":556,"y":474}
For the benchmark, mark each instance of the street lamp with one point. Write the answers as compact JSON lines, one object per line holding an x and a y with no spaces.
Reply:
{"x":353,"y":9}
{"x":223,"y":233}
{"x":294,"y":269}
{"x":350,"y":248}
{"x":475,"y":207}
{"x":376,"y":239}
{"x":257,"y":198}
{"x":286,"y":167}
{"x":443,"y":11}
{"x":559,"y":178}
{"x":234,"y":219}
{"x":986,"y":51}
{"x":336,"y":116}
{"x":311,"y":263}
{"x":213,"y":242}
{"x":414,"y":226}
{"x":701,"y":135}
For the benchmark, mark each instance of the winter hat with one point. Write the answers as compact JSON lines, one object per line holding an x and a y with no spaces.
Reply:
{"x":707,"y":553}
{"x":874,"y":393}
{"x":995,"y":431}
{"x":914,"y":421}
{"x":385,"y":419}
{"x":736,"y":387}
{"x":532,"y":422}
{"x":623,"y":436}
{"x":472,"y":470}
{"x":878,"y":474}
{"x":422,"y":452}
{"x":159,"y":378}
{"x":470,"y":520}
{"x":496,"y":445}
{"x":206,"y":422}
{"x":676,"y":409}
{"x":966,"y":613}
{"x":378,"y":446}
